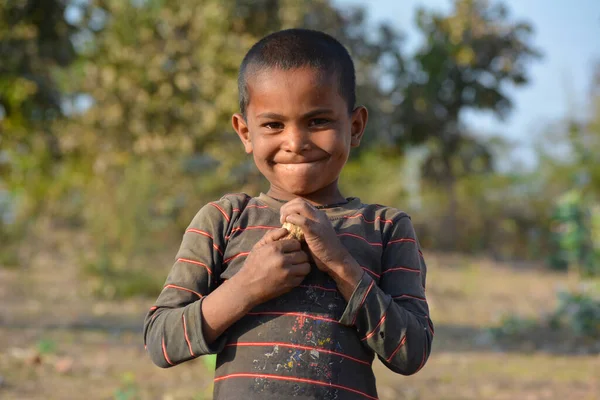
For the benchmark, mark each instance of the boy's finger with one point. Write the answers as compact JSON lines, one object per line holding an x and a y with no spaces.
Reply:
{"x":289,"y":245}
{"x":299,"y":220}
{"x":300,"y":269}
{"x":272,"y":236}
{"x":297,"y":206}
{"x":296,"y":257}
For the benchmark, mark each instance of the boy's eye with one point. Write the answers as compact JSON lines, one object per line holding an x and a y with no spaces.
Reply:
{"x":273,"y":125}
{"x":318,"y":122}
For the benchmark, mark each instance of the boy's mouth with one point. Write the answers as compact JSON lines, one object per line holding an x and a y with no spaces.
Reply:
{"x":299,"y":161}
{"x":300,"y":166}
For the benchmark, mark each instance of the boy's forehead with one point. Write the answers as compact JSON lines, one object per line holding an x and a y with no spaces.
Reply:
{"x":273,"y":86}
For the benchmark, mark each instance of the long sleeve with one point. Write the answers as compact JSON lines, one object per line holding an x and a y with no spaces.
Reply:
{"x":392,"y":316}
{"x":173,"y":326}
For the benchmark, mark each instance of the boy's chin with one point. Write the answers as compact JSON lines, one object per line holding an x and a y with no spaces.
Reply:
{"x":301,"y":189}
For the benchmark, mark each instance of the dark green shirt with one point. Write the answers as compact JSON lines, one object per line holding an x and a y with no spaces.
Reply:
{"x":309,"y":343}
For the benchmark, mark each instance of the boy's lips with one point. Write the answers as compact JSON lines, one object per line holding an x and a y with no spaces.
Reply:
{"x":301,"y":166}
{"x":299,"y":161}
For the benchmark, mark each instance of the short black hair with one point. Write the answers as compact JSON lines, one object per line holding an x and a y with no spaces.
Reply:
{"x":297,"y":48}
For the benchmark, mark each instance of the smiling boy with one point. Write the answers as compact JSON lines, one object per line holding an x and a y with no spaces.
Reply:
{"x":289,"y":318}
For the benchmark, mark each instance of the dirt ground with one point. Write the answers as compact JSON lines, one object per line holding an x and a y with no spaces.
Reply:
{"x":57,"y":341}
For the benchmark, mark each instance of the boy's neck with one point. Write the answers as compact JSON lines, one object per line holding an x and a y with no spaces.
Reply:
{"x":323,"y":197}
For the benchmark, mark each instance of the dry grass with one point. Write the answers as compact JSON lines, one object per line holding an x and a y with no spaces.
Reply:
{"x":58,"y":342}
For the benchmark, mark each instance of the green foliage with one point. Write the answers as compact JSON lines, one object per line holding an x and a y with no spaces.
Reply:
{"x":35,"y":41}
{"x":467,"y":60}
{"x":128,"y":389}
{"x":9,"y":237}
{"x":513,"y":326}
{"x":574,"y":235}
{"x":162,"y":77}
{"x":372,"y":176}
{"x":575,"y":172}
{"x":125,"y":218}
{"x":577,"y":315}
{"x":578,"y":312}
{"x":117,"y":124}
{"x":46,"y":346}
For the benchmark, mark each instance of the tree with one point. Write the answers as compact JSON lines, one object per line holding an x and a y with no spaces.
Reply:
{"x":163,"y":76}
{"x":152,"y":141}
{"x":570,"y":170}
{"x":467,"y":62}
{"x":36,"y":43}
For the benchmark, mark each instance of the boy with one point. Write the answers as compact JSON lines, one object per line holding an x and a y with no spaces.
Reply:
{"x":296,"y":317}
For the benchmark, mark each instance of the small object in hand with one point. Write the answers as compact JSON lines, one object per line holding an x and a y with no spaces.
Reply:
{"x":294,"y":231}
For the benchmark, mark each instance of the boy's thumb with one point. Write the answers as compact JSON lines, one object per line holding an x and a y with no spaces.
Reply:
{"x":272,"y":236}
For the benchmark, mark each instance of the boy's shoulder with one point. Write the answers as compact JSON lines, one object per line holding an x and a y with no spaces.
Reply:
{"x":235,"y":199}
{"x":383,"y":212}
{"x":225,"y":206}
{"x":232,"y":203}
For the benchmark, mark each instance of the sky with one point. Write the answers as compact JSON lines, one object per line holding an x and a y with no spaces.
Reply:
{"x":566,"y":32}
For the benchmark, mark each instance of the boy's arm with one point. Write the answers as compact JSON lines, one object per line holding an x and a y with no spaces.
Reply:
{"x":191,"y":312}
{"x":273,"y":267}
{"x":392,"y":317}
{"x":174,"y":327}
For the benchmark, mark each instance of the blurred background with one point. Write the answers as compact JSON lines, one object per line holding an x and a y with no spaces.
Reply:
{"x":115,"y":130}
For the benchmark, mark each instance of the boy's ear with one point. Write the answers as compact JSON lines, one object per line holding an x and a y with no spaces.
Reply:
{"x":360,"y":115}
{"x":241,"y":127}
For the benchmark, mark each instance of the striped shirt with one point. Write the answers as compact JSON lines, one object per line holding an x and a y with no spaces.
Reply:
{"x":308,"y":343}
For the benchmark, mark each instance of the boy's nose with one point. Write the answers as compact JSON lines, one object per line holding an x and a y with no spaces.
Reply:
{"x":296,"y":140}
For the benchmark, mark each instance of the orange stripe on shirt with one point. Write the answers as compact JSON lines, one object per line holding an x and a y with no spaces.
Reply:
{"x":362,"y":302}
{"x":359,"y":237}
{"x":318,"y":287}
{"x":375,"y":329}
{"x":297,"y":346}
{"x":220,"y":209}
{"x":295,"y":314}
{"x":164,"y":349}
{"x":184,"y":289}
{"x":185,"y":335}
{"x":417,"y":271}
{"x":293,"y":379}
{"x":245,"y":253}
{"x":252,"y":206}
{"x":371,"y":272}
{"x":409,"y":296}
{"x":200,"y":232}
{"x":422,"y":361}
{"x":240,"y":229}
{"x":403,"y":240}
{"x":385,"y":221}
{"x":430,"y":326}
{"x":187,"y":260}
{"x":397,"y":348}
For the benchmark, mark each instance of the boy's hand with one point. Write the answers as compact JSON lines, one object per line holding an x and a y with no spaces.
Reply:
{"x":273,"y":267}
{"x":325,"y":247}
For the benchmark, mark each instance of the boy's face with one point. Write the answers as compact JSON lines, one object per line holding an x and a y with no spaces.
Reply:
{"x":299,"y":132}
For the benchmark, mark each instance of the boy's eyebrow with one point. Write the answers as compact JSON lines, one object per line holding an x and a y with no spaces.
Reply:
{"x":270,"y":115}
{"x":318,"y":111}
